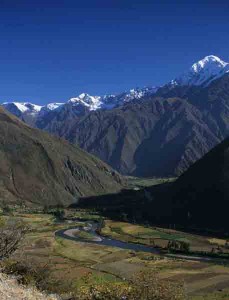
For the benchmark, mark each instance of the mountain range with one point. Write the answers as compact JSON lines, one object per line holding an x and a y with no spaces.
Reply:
{"x":156,"y":131}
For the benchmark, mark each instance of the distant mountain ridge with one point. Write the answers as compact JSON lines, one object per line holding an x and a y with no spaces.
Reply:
{"x":202,"y":73}
{"x":82,"y":103}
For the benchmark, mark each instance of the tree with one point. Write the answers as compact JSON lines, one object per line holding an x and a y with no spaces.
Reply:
{"x":11,"y":234}
{"x":59,"y":213}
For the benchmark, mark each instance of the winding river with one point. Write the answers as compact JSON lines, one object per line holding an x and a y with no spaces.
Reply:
{"x":101,"y":240}
{"x":91,"y":227}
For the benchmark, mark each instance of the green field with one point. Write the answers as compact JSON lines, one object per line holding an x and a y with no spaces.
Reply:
{"x":134,"y":182}
{"x":160,"y":236}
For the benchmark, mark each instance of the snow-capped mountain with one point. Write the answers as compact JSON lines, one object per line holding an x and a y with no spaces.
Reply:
{"x":111,"y":101}
{"x":49,"y":107}
{"x":91,"y":102}
{"x":24,"y":106}
{"x":52,"y":106}
{"x":29,"y":112}
{"x":19,"y":108}
{"x":203,"y":72}
{"x":84,"y":100}
{"x":134,"y":138}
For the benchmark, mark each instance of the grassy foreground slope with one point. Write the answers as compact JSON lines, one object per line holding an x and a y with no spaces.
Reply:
{"x":44,"y":170}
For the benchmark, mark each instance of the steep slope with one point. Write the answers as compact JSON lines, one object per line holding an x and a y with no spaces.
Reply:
{"x":200,"y":195}
{"x":157,"y":137}
{"x":212,"y":101}
{"x":40,"y":169}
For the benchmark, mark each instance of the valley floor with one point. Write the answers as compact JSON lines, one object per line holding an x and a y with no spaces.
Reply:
{"x":68,"y":263}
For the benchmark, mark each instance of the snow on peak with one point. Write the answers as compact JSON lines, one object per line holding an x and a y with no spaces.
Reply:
{"x":24,"y":106}
{"x":52,"y":106}
{"x":91,"y":102}
{"x":212,"y":62}
{"x":110,"y":101}
{"x":203,"y":72}
{"x":139,"y":93}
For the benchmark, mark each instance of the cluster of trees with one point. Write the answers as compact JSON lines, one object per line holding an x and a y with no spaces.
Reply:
{"x":180,"y":246}
{"x":58,"y":212}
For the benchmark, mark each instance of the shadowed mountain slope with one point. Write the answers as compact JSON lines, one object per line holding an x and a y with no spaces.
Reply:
{"x":41,"y":169}
{"x":200,"y":196}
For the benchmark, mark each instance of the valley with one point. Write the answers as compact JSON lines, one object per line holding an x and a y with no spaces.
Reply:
{"x":90,"y":230}
{"x":67,"y":264}
{"x":114,"y":150}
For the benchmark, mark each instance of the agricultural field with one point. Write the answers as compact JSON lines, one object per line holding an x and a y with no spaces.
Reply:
{"x":160,"y":237}
{"x":138,"y":182}
{"x":66,"y":263}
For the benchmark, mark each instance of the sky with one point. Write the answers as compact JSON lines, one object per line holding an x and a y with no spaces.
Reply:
{"x":54,"y":50}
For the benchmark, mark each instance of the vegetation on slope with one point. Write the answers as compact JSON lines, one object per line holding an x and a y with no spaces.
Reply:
{"x":39,"y":169}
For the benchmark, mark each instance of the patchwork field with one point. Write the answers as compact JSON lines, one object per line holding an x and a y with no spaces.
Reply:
{"x":67,"y":262}
{"x":160,"y":237}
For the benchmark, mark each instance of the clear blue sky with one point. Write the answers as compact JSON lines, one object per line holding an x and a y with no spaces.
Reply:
{"x":52,"y":50}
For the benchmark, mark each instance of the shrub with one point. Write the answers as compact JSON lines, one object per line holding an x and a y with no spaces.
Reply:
{"x":59,"y":213}
{"x":27,"y":273}
{"x":178,"y":246}
{"x":147,"y":286}
{"x":143,"y":286}
{"x":11,"y":234}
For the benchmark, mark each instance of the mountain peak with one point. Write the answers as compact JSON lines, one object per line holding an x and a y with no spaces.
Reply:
{"x":84,"y":95}
{"x":209,"y":61}
{"x":91,"y":102}
{"x":203,"y":72}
